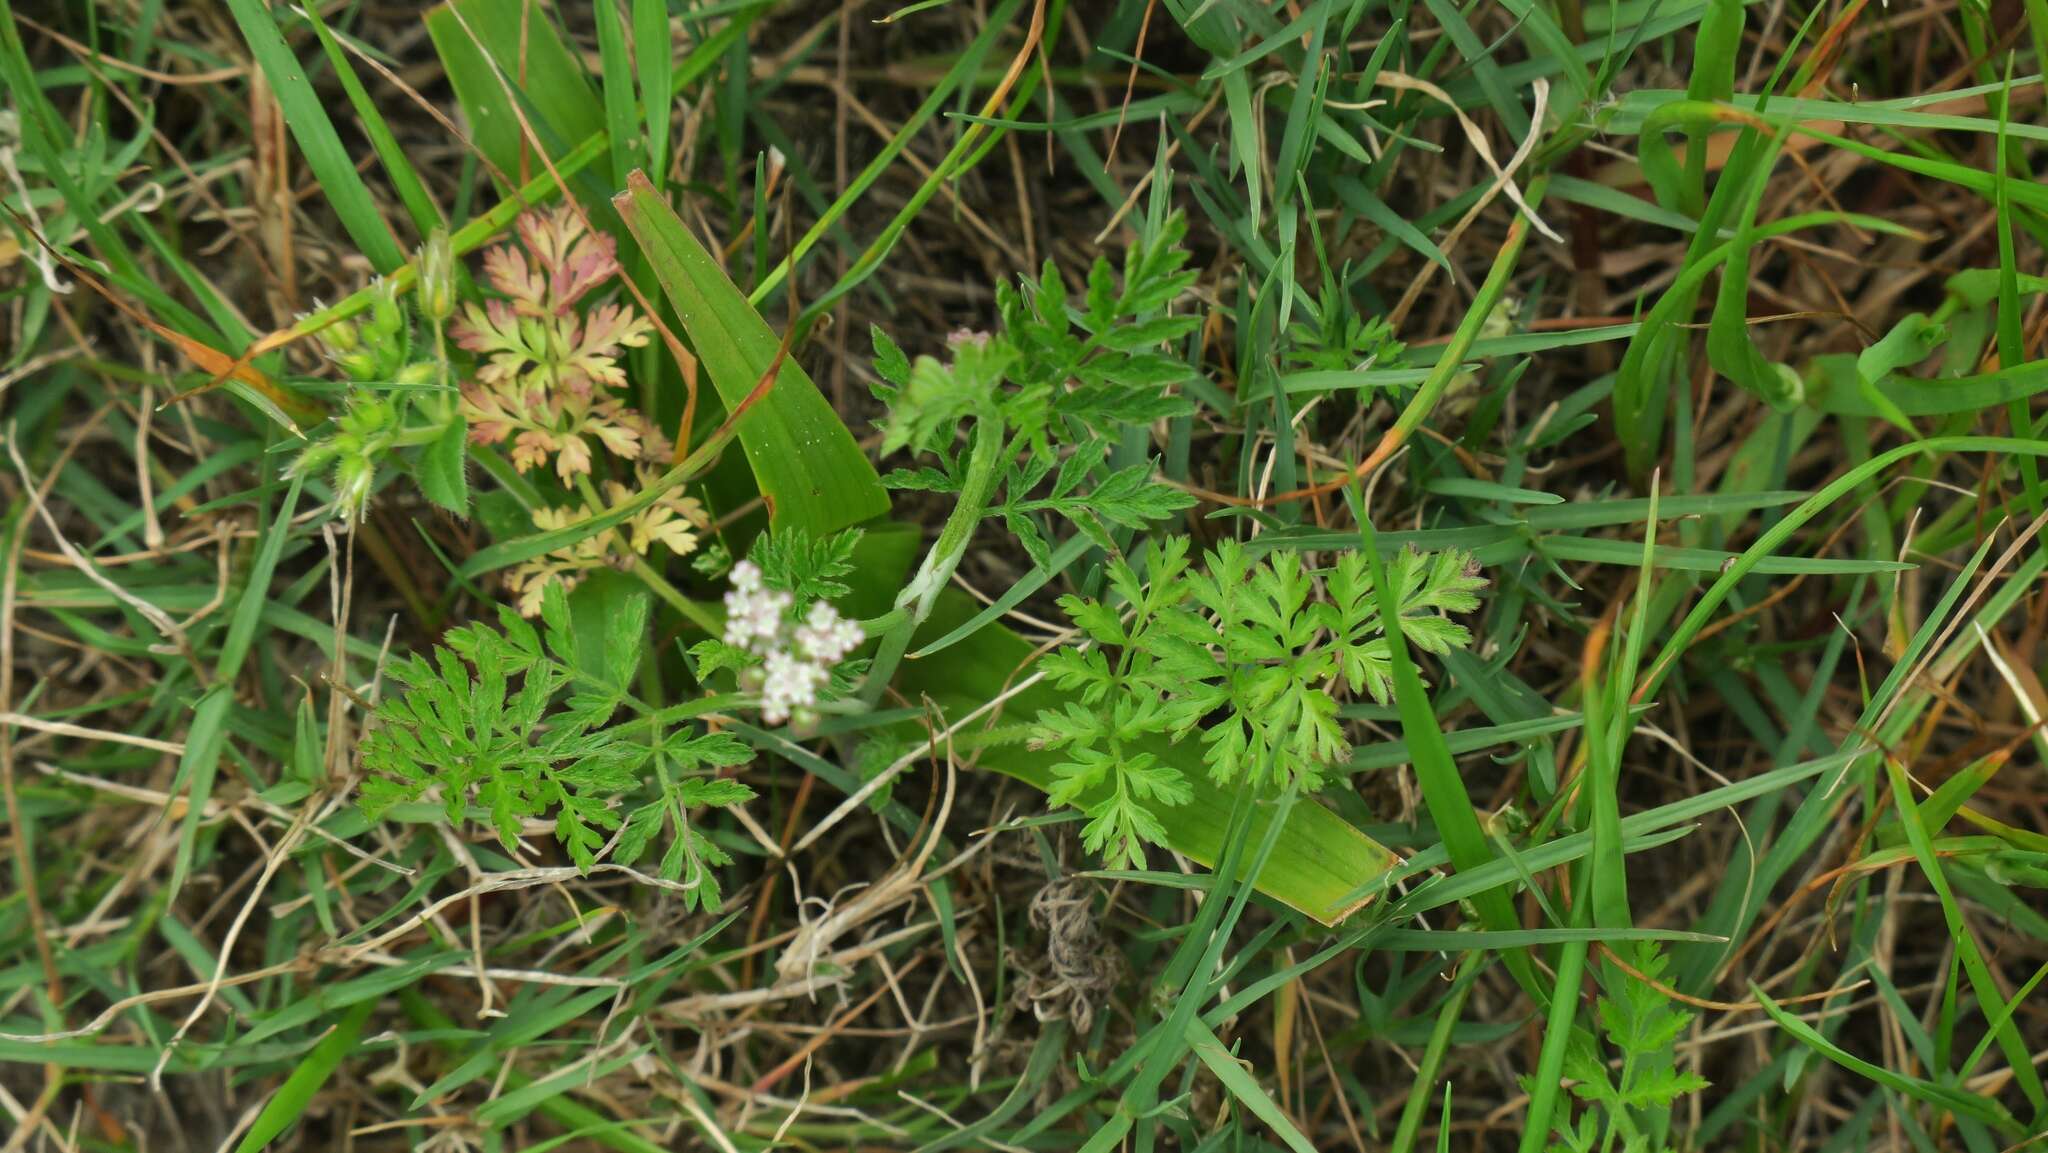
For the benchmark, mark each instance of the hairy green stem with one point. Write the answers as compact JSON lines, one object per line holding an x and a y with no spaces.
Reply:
{"x":690,"y":610}
{"x":464,"y":240}
{"x":914,"y":603}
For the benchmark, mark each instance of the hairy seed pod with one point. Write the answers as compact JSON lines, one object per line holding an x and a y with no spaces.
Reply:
{"x":437,"y":277}
{"x":419,"y":372}
{"x":340,"y":337}
{"x":386,"y":319}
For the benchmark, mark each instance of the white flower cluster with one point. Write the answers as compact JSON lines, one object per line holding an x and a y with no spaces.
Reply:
{"x":825,"y":636}
{"x":753,"y":614}
{"x":795,"y":663}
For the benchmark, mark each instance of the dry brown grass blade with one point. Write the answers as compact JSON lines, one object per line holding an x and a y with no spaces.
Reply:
{"x":224,"y":368}
{"x":1685,"y":998}
{"x":814,"y":941}
{"x":1131,"y":78}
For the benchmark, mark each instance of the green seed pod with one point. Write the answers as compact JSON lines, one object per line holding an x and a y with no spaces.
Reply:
{"x":367,"y":418}
{"x":340,"y":337}
{"x":354,"y":476}
{"x":360,"y":364}
{"x":316,"y":456}
{"x":420,"y":372}
{"x":437,"y":277}
{"x":387,"y":320}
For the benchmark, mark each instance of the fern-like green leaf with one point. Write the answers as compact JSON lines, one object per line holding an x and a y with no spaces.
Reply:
{"x":1249,"y":654}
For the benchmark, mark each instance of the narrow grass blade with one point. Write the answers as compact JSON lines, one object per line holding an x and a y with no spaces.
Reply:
{"x":621,"y":108}
{"x":1981,"y":982}
{"x":521,"y":40}
{"x":206,"y":740}
{"x":295,"y":1096}
{"x":412,"y":192}
{"x":1244,"y":1086}
{"x":1958,"y":1101}
{"x":656,"y":66}
{"x":306,"y":114}
{"x":1443,"y":790}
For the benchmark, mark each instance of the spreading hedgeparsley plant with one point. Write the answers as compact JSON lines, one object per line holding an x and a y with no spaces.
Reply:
{"x":1230,"y":668}
{"x":1040,"y":404}
{"x":785,"y":642}
{"x":523,"y":730}
{"x":1240,"y":659}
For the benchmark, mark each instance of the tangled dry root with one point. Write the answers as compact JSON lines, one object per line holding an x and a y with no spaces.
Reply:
{"x":1076,"y":971}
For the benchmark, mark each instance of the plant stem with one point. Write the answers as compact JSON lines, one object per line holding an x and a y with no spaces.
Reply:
{"x":691,"y":611}
{"x":984,"y":464}
{"x":640,"y":567}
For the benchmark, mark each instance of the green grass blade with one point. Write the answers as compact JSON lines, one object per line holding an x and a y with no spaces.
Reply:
{"x":1989,"y":997}
{"x":412,"y":192}
{"x":295,"y":1096}
{"x":520,"y":40}
{"x":657,"y":79}
{"x":621,"y":109}
{"x":1546,"y":1085}
{"x":1957,"y":1101}
{"x":947,"y":87}
{"x":1425,"y":1080}
{"x":1244,"y":1086}
{"x":206,"y":740}
{"x":2011,"y":342}
{"x":1436,"y":771}
{"x":306,"y":114}
{"x":809,"y":469}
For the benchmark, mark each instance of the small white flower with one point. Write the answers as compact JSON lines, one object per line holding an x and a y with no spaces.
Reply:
{"x":753,"y":614}
{"x":790,"y":683}
{"x":825,"y":636}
